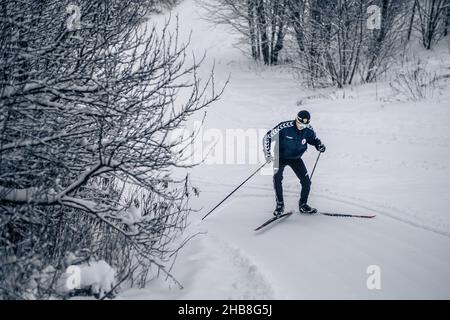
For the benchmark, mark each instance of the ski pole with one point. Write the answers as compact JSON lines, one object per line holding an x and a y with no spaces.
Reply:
{"x":315,"y":165}
{"x":257,"y":170}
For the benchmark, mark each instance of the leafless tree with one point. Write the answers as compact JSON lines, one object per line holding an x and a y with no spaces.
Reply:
{"x":85,"y":148}
{"x":329,"y":38}
{"x":447,"y":20}
{"x":433,"y":20}
{"x":411,"y":20}
{"x":384,"y":43}
{"x":262,"y":23}
{"x":335,"y":44}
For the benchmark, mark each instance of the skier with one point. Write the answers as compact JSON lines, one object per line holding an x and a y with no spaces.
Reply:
{"x":292,"y":138}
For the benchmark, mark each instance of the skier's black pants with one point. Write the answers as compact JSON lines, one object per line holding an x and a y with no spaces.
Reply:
{"x":299,"y":168}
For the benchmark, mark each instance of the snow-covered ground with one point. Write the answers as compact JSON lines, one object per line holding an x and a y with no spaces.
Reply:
{"x":386,"y":157}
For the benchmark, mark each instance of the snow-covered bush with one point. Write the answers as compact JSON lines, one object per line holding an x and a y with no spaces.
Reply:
{"x":86,"y":114}
{"x":415,"y":83}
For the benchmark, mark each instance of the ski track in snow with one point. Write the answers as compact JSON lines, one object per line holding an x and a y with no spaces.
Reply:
{"x":369,"y":207}
{"x":326,"y":257}
{"x":210,"y":268}
{"x":222,"y":272}
{"x":249,"y":283}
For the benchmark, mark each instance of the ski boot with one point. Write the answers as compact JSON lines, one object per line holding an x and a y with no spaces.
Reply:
{"x":279,"y":210}
{"x":304,"y":208}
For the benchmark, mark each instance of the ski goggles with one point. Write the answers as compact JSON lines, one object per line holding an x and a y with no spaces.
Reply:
{"x":302,"y":123}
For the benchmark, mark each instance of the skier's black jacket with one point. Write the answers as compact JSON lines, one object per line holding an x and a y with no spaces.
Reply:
{"x":291,"y":142}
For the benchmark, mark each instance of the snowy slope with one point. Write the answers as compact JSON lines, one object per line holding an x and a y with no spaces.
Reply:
{"x":386,"y":157}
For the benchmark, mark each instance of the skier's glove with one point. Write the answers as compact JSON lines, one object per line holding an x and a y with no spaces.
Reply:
{"x":269,"y":158}
{"x":321,"y":147}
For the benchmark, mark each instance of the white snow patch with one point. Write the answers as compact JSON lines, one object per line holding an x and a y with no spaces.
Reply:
{"x":98,"y":276}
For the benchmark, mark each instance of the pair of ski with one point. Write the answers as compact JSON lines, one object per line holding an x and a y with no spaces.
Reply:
{"x":287,"y":214}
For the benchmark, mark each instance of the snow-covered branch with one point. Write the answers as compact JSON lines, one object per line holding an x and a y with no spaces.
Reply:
{"x":86,"y":116}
